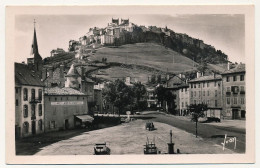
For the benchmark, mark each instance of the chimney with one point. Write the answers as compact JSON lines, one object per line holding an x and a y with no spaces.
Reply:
{"x":61,"y":71}
{"x":228,"y":66}
{"x":198,"y":74}
{"x":50,"y":70}
{"x":82,"y":73}
{"x":44,"y":73}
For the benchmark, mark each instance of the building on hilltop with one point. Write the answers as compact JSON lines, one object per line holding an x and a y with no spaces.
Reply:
{"x":29,"y":102}
{"x":57,"y":52}
{"x":234,"y":92}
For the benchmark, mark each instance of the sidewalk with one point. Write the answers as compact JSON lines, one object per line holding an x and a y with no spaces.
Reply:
{"x":130,"y":138}
{"x":237,"y":124}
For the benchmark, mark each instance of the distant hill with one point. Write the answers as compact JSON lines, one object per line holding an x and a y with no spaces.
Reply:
{"x":146,"y":54}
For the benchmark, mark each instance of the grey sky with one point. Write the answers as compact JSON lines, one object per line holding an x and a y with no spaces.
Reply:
{"x":225,"y":32}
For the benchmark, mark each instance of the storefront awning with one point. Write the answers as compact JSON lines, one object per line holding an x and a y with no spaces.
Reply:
{"x":85,"y":118}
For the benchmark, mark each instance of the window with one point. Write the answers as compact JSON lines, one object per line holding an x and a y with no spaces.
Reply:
{"x":234,"y":78}
{"x":182,"y":104}
{"x":40,"y":124}
{"x":25,"y":111}
{"x":33,"y":94}
{"x":16,"y":102}
{"x":199,"y":93}
{"x":40,"y":109}
{"x":208,"y":92}
{"x":227,"y":78}
{"x":216,"y":103}
{"x":203,"y":92}
{"x":203,"y":84}
{"x":207,"y":84}
{"x":215,"y":84}
{"x":242,"y":77}
{"x":242,"y":100}
{"x":33,"y":110}
{"x":181,"y":89}
{"x":25,"y":94}
{"x":16,"y":90}
{"x":242,"y":88}
{"x":194,"y":93}
{"x":191,"y":85}
{"x":235,"y":100}
{"x":235,"y":89}
{"x":191,"y":94}
{"x":186,"y":104}
{"x":194,"y":85}
{"x":194,"y":101}
{"x":228,"y":89}
{"x":216,"y":93}
{"x":228,"y":100}
{"x":40,"y":94}
{"x":185,"y":89}
{"x":199,"y":85}
{"x":26,"y":127}
{"x":55,"y":98}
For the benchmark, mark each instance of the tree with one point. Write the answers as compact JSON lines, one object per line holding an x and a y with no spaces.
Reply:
{"x":159,"y":78}
{"x":169,"y":99}
{"x":118,"y":94}
{"x":197,"y":111}
{"x":159,"y":91}
{"x":153,"y":79}
{"x":139,"y":92}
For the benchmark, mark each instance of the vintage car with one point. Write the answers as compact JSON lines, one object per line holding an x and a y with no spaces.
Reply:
{"x":101,"y":149}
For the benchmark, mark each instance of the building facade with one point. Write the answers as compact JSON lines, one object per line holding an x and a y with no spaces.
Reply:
{"x":184,"y":99}
{"x":29,"y":102}
{"x":207,"y":90}
{"x":234,"y":92}
{"x":64,"y":108}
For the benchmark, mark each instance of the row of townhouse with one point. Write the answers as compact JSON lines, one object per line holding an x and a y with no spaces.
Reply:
{"x":224,"y":94}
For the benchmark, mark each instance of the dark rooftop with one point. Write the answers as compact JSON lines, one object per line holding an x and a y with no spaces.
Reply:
{"x":26,"y":76}
{"x":238,"y":69}
{"x":206,"y":78}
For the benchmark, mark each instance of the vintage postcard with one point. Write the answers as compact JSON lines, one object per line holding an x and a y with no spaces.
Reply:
{"x":134,"y":84}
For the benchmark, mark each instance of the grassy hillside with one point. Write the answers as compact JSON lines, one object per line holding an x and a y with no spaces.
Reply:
{"x":147,"y":54}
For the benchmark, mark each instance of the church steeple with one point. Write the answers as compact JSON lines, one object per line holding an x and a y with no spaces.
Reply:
{"x":34,"y":49}
{"x":36,"y":61}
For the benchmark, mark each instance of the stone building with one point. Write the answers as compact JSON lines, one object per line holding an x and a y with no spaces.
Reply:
{"x":65,"y":108}
{"x":184,"y":99}
{"x":234,"y":92}
{"x":207,"y":90}
{"x":29,"y":102}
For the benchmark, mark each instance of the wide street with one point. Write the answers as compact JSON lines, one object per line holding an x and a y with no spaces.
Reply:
{"x":129,"y":138}
{"x":214,"y":133}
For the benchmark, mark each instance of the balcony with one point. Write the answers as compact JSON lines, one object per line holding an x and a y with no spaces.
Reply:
{"x":228,"y":93}
{"x":35,"y":100}
{"x":242,"y":92}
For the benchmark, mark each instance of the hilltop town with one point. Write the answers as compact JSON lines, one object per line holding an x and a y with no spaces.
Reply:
{"x":121,"y":70}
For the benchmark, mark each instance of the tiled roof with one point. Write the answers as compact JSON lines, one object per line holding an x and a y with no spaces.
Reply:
{"x":206,"y":78}
{"x":62,"y":91}
{"x":239,"y":68}
{"x":25,"y":76}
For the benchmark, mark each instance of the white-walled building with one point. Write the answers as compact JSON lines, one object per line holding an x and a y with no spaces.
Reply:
{"x":29,"y":102}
